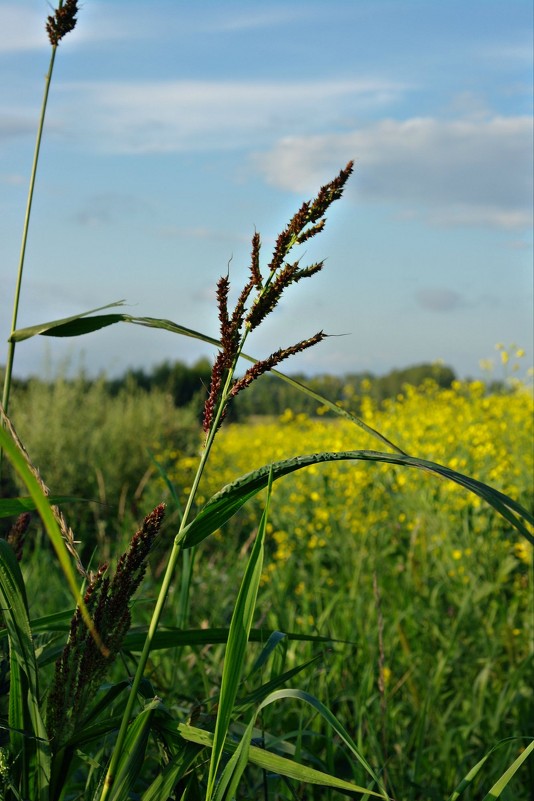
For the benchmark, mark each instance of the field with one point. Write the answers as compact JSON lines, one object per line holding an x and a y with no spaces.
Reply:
{"x":422,"y":592}
{"x":202,"y":610}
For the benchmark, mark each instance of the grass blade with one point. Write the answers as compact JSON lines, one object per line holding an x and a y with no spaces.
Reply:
{"x":54,"y":327}
{"x":29,"y":741}
{"x":52,"y":529}
{"x":10,"y":507}
{"x":133,"y":753}
{"x":224,"y":504}
{"x":240,"y":627}
{"x":277,"y":764}
{"x":501,"y":783}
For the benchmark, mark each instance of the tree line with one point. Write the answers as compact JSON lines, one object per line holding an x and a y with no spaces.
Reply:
{"x":270,"y":396}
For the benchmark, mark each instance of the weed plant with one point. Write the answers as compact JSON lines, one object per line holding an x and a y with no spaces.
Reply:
{"x":119,"y":700}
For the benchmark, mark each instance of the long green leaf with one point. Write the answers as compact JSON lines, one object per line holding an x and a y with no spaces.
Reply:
{"x":224,"y":504}
{"x":168,"y":325}
{"x":276,"y":764}
{"x":133,"y":754}
{"x":501,"y":783}
{"x":54,"y":327}
{"x":42,"y":505}
{"x":164,"y":783}
{"x":74,"y":326}
{"x":29,"y":741}
{"x":240,"y":626}
{"x":9,"y":507}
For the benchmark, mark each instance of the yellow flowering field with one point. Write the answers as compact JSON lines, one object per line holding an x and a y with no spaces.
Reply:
{"x":485,"y":436}
{"x":425,"y":591}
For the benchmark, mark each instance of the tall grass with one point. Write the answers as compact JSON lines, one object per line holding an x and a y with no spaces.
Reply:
{"x":114,"y":701}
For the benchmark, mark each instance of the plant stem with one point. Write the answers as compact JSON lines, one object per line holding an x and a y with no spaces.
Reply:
{"x":160,"y":603}
{"x":173,"y":558}
{"x":11,"y":344}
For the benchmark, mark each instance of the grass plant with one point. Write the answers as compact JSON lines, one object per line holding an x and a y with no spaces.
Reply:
{"x":384,"y":656}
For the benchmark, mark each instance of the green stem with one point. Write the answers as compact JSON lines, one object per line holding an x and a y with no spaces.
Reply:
{"x":11,"y":346}
{"x":160,"y":603}
{"x":169,"y":571}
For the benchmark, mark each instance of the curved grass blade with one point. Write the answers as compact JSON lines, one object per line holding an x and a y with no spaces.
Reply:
{"x":501,"y":783}
{"x":234,"y":658}
{"x":29,"y":741}
{"x":224,"y":504}
{"x":332,"y":721}
{"x":77,"y":324}
{"x":10,"y":507}
{"x":276,"y":764}
{"x":166,"y":780}
{"x":168,"y":325}
{"x":52,"y":529}
{"x":133,"y":753}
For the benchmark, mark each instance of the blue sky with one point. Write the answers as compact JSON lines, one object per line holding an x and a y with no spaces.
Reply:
{"x":174,"y":130}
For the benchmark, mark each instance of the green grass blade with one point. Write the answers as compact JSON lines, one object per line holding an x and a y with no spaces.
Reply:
{"x":29,"y":741}
{"x":168,"y":325}
{"x":240,"y":626}
{"x":164,"y":783}
{"x":133,"y":754}
{"x":500,"y":785}
{"x":75,"y":326}
{"x":54,"y":327}
{"x":9,"y":507}
{"x":42,"y":506}
{"x":224,"y":504}
{"x":277,"y":764}
{"x":170,"y":637}
{"x":332,"y":721}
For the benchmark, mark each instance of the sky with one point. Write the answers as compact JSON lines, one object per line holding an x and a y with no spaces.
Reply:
{"x":176,"y":130}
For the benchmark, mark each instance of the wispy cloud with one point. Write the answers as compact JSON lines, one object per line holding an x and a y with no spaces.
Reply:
{"x":254,"y":17}
{"x":462,"y":172}
{"x":21,"y":28}
{"x":438,"y":299}
{"x":174,"y":116}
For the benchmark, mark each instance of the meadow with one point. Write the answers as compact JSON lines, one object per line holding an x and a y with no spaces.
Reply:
{"x":205,"y":610}
{"x":420,"y":597}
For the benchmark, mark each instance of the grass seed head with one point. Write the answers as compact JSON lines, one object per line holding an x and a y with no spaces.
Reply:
{"x":62,"y":22}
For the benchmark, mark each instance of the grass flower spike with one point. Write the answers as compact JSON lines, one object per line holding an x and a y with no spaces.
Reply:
{"x":82,"y":665}
{"x":235,"y":327}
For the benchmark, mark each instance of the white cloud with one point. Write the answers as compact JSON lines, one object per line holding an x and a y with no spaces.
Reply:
{"x":173,"y":116}
{"x":463,"y":172}
{"x":21,"y":28}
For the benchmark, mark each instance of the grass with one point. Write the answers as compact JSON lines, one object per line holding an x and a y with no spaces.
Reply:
{"x":366,"y":631}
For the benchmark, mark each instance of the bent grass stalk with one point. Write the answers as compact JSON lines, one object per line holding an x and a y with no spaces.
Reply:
{"x":63,"y":22}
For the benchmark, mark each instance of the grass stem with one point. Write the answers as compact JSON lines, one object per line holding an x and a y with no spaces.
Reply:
{"x":25,"y":229}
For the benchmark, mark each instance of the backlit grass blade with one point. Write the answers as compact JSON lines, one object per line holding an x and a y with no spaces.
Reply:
{"x":224,"y":504}
{"x":240,"y":626}
{"x":277,"y":764}
{"x":42,"y":505}
{"x":70,"y":326}
{"x":168,"y":325}
{"x":500,"y":785}
{"x":75,"y":326}
{"x":28,"y":737}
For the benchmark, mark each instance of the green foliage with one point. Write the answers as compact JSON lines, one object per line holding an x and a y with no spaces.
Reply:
{"x":110,"y":736}
{"x":102,"y":454}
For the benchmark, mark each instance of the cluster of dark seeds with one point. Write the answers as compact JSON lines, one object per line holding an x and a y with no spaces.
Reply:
{"x":306,"y":223}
